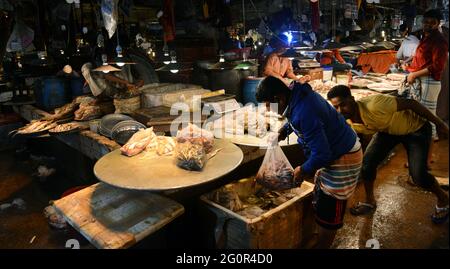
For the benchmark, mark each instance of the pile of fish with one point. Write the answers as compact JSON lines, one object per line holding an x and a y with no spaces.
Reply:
{"x":65,"y":127}
{"x":163,"y":145}
{"x":254,"y":202}
{"x":138,"y":142}
{"x":88,"y":111}
{"x":279,"y":176}
{"x":36,"y":126}
{"x":244,"y":120}
{"x":63,"y":112}
{"x":146,"y":139}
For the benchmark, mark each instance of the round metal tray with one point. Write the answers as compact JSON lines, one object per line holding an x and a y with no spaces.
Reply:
{"x":149,"y":171}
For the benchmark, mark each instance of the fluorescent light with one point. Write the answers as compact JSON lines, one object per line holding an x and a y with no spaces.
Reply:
{"x":289,"y":37}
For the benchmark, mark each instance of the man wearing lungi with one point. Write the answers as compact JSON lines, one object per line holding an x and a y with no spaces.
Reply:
{"x":392,"y":121}
{"x":332,"y":149}
{"x":428,"y":64}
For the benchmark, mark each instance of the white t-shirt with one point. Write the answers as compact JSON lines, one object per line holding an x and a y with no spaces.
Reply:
{"x":408,"y":47}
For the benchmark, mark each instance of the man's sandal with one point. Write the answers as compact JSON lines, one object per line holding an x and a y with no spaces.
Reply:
{"x":362,"y":208}
{"x":440,"y":215}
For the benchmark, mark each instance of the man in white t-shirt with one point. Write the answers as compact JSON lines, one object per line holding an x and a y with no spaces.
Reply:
{"x":409,"y":45}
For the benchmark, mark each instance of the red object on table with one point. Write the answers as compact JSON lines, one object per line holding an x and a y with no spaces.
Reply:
{"x":378,"y":62}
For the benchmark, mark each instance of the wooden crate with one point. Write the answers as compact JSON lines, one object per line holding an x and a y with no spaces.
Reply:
{"x":278,"y":228}
{"x":115,"y":218}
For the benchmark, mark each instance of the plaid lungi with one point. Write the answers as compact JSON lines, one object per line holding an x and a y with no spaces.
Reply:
{"x":340,"y":178}
{"x":427,"y":94}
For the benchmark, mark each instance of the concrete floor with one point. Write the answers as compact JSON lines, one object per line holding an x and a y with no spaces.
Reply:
{"x":402,"y":219}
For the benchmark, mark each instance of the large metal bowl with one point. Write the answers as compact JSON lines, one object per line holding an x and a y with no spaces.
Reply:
{"x":124,"y":130}
{"x":108,"y":122}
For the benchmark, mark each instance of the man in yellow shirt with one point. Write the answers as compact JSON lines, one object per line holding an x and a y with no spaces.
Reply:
{"x":392,"y":121}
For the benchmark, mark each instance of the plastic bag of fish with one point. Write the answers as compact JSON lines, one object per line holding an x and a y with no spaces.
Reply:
{"x":193,"y":145}
{"x":276,"y":173}
{"x":196,"y":135}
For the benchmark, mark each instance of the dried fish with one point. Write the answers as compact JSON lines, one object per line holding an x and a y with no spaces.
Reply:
{"x":138,"y":142}
{"x":196,"y":135}
{"x":190,"y":156}
{"x":65,"y":127}
{"x":165,"y":145}
{"x":36,"y":126}
{"x":63,"y":112}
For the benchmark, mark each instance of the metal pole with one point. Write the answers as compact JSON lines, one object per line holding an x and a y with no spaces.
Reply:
{"x":243,"y":16}
{"x":333,"y":20}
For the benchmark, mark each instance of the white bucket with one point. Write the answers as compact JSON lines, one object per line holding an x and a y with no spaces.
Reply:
{"x":327,"y":75}
{"x":342,"y":80}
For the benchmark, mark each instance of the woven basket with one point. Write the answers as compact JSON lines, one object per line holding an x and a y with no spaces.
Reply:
{"x":128,"y":105}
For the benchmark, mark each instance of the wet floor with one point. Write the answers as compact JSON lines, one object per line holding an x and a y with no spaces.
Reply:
{"x":402,"y":219}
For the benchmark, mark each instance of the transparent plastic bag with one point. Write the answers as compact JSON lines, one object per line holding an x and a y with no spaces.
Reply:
{"x":190,"y":156}
{"x":196,"y":135}
{"x":275,"y":173}
{"x":110,"y":15}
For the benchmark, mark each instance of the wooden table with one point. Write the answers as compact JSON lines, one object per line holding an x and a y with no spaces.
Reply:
{"x":89,"y":143}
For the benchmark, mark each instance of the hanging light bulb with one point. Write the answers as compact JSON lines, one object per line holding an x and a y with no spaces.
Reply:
{"x":61,"y":51}
{"x":173,"y":63}
{"x":166,"y":57}
{"x":355,"y":27}
{"x":42,"y":55}
{"x":105,"y":67}
{"x":221,"y":57}
{"x":222,"y":64}
{"x":119,"y":61}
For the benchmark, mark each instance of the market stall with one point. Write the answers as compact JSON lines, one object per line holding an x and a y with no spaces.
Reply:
{"x":159,"y":102}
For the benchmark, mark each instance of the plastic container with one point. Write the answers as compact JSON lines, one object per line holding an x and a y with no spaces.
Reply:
{"x":76,"y":86}
{"x":342,"y":80}
{"x":51,"y":92}
{"x":249,"y":89}
{"x":93,"y":125}
{"x":327,"y":73}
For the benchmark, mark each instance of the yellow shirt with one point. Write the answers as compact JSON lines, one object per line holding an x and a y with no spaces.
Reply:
{"x":379,"y":114}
